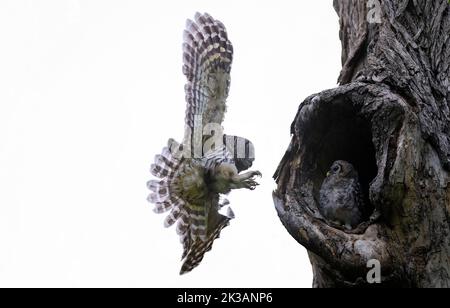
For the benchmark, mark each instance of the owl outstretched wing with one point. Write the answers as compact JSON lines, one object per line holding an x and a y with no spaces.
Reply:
{"x":207,"y":58}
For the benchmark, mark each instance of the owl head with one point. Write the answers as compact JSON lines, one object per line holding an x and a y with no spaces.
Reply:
{"x":342,"y":169}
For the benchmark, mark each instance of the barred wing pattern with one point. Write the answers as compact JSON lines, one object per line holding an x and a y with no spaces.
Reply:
{"x":207,"y":57}
{"x":198,"y":223}
{"x":163,"y":191}
{"x":193,"y":255}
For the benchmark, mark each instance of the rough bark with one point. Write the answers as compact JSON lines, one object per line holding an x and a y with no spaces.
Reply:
{"x":389,"y":117}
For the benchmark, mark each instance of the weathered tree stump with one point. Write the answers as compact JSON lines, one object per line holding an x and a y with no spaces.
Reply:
{"x":390,"y":117}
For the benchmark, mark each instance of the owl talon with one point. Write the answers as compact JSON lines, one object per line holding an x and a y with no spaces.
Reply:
{"x":258,"y":174}
{"x":251,"y":184}
{"x":246,"y":180}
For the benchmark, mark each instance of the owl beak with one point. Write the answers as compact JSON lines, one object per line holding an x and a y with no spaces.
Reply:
{"x":328,"y":173}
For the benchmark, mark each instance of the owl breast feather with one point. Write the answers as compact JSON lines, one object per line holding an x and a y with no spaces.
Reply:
{"x":340,"y":205}
{"x":191,"y":184}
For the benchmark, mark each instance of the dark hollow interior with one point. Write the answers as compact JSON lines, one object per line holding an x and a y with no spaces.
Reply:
{"x":339,"y":132}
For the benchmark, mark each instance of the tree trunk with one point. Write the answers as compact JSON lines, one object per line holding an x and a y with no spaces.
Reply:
{"x":389,"y":117}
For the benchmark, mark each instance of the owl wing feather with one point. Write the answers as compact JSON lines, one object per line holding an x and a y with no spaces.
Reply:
{"x":207,"y":58}
{"x":193,"y":253}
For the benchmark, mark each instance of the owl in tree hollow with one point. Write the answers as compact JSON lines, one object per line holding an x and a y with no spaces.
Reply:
{"x":193,"y":176}
{"x":341,"y":200}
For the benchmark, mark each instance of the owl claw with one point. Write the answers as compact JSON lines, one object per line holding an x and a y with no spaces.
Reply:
{"x":247,"y":180}
{"x":251,"y":183}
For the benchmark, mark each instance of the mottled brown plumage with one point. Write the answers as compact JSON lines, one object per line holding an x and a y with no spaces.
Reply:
{"x":341,"y":200}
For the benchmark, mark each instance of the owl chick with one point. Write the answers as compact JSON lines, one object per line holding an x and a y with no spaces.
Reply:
{"x":341,"y":200}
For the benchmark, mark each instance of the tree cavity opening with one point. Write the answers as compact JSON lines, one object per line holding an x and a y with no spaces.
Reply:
{"x":338,"y":131}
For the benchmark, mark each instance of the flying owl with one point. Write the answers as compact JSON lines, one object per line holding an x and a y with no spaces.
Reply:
{"x":194,"y":175}
{"x":341,"y":200}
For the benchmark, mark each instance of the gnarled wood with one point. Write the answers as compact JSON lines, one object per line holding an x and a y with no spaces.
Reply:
{"x":390,"y":117}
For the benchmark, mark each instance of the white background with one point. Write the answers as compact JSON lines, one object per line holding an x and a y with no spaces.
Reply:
{"x":90,"y":91}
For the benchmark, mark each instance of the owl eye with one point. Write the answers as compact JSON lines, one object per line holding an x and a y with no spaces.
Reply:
{"x":336,"y":169}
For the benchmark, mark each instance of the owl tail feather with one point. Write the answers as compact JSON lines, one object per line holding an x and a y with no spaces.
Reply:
{"x":164,"y":168}
{"x":195,"y":255}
